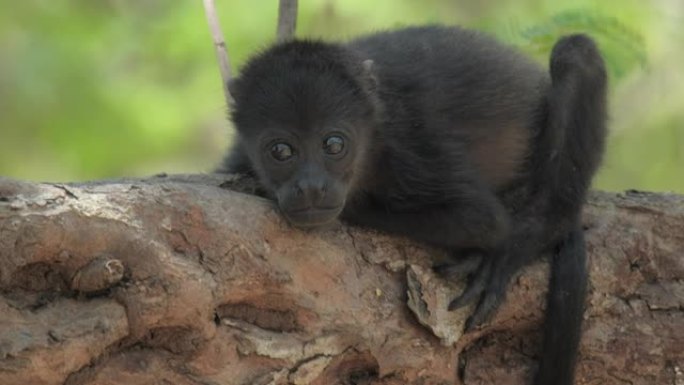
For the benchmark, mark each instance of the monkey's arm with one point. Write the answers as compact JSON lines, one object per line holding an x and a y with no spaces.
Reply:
{"x":478,"y":221}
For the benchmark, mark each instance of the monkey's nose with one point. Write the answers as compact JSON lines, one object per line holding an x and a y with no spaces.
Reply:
{"x":313,"y":190}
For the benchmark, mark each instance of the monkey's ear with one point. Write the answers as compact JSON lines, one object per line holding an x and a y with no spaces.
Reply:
{"x":369,"y":74}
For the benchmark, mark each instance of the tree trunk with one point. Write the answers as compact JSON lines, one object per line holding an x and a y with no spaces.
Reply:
{"x":178,"y":280}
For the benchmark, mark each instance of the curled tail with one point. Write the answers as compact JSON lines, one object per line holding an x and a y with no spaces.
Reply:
{"x":573,"y":144}
{"x":576,"y":131}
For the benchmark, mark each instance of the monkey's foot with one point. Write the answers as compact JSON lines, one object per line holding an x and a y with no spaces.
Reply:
{"x":483,"y":285}
{"x":478,"y":278}
{"x":489,"y":303}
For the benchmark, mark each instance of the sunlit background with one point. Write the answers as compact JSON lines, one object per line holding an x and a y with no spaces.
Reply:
{"x":107,"y":88}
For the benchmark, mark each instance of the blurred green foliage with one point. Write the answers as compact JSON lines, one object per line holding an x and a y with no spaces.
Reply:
{"x":93,"y":89}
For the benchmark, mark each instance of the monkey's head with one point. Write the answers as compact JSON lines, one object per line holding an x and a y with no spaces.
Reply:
{"x":305,"y":113}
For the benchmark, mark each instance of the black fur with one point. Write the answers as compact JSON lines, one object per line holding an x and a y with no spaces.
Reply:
{"x":449,"y":138}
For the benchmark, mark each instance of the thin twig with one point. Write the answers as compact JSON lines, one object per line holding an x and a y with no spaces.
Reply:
{"x":287,"y":19}
{"x":219,"y":46}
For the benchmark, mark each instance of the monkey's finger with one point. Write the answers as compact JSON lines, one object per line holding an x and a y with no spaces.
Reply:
{"x":458,"y":269}
{"x":472,"y":292}
{"x":485,"y":310}
{"x":475,"y":287}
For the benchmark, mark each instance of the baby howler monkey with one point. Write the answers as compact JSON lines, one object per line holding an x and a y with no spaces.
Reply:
{"x":443,"y":135}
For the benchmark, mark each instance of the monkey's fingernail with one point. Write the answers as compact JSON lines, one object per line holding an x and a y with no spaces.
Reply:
{"x":456,"y":304}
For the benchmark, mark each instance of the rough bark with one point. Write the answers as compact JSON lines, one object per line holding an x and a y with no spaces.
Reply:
{"x":178,"y":280}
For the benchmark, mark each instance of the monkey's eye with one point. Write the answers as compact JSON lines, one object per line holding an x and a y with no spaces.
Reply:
{"x":281,"y":151}
{"x":333,"y":145}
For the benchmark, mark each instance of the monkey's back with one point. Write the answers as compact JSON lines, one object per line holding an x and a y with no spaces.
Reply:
{"x":463,"y":96}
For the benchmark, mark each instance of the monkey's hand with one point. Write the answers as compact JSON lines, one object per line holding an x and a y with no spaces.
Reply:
{"x":484,"y":284}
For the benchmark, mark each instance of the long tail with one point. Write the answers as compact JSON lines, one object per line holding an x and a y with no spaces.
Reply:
{"x":573,"y":142}
{"x":564,"y":312}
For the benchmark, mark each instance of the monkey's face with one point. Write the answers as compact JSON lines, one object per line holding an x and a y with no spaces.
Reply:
{"x":309,"y":170}
{"x":307,"y":156}
{"x":309,"y":175}
{"x":305,"y":113}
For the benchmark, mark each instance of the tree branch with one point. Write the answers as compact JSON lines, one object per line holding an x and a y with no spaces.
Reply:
{"x":219,"y":46}
{"x":287,"y":20}
{"x":179,"y":280}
